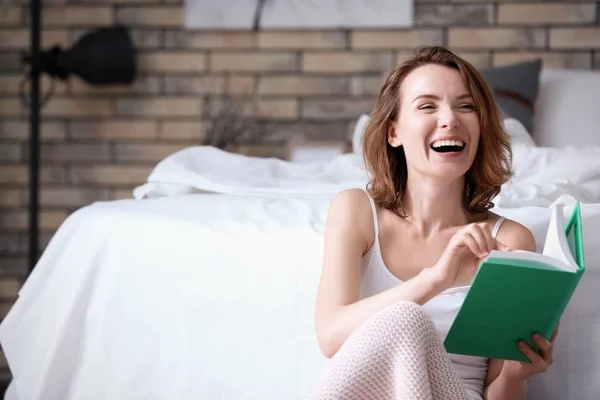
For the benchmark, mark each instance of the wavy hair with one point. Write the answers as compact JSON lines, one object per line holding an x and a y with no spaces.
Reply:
{"x":386,"y":164}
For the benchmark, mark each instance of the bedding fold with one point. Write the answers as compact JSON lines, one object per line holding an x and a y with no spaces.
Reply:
{"x":542,"y":176}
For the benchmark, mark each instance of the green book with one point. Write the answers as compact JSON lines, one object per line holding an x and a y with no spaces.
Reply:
{"x":518,"y":293}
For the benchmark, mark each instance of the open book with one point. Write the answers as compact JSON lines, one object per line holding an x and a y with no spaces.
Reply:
{"x":518,"y":293}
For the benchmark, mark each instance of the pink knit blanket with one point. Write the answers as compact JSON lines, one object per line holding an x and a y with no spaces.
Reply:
{"x":395,"y":354}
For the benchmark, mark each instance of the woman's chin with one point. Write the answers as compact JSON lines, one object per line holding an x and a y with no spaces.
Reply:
{"x":455,"y":161}
{"x":449,"y":172}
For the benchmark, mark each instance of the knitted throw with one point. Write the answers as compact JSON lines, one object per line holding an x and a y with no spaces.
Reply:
{"x":395,"y":354}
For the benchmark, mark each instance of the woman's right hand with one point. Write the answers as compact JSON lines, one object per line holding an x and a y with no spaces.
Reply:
{"x":460,"y":260}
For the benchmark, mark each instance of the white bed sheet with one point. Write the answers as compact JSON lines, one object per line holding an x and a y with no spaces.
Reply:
{"x":212,"y":297}
{"x":193,"y":297}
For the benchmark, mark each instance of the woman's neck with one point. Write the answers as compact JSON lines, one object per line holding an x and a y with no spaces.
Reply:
{"x":432,"y":205}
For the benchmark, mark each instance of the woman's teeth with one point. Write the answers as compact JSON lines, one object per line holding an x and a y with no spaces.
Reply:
{"x":441,"y":143}
{"x":446,"y":146}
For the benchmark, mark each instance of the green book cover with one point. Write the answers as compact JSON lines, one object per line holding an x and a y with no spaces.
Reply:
{"x":518,"y":293}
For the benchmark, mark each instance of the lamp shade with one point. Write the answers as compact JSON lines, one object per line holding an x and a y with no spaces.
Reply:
{"x":105,"y":56}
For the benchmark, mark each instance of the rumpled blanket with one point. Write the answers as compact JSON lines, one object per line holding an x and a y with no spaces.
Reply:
{"x":542,"y":176}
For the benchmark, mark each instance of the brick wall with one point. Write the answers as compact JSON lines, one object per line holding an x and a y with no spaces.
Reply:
{"x":98,"y":143}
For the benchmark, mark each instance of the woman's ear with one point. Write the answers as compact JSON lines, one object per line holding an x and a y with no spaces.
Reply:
{"x":392,"y":134}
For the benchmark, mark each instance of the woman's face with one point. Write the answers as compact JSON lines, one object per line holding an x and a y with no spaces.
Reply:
{"x":438,"y":125}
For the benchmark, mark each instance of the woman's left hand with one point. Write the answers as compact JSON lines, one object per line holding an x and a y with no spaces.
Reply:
{"x":521,"y":371}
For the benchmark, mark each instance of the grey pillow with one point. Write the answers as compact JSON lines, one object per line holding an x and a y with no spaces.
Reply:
{"x":515,"y":88}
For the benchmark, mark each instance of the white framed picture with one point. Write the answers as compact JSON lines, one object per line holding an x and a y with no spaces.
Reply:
{"x":297,"y":14}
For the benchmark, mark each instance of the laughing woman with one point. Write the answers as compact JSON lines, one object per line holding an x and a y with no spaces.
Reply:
{"x":400,"y":254}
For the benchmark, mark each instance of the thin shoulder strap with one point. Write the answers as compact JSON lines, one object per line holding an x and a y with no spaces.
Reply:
{"x":497,"y":227}
{"x":374,"y":209}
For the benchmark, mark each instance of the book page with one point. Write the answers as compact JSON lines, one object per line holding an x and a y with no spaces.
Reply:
{"x":556,"y":245}
{"x":523,"y":255}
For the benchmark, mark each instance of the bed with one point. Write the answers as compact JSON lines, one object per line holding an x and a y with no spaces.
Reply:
{"x":203,"y":285}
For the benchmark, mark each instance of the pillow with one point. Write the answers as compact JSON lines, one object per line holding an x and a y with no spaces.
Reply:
{"x":359,"y":129}
{"x":515,"y":88}
{"x":566,"y":112}
{"x":519,"y":135}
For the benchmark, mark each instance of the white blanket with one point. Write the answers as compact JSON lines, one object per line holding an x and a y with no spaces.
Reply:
{"x":207,"y":169}
{"x":542,"y":176}
{"x":212,"y":297}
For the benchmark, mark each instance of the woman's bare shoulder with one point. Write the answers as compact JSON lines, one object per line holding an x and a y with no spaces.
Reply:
{"x":351,"y":209}
{"x":352,"y":205}
{"x":355,"y":198}
{"x":514,"y":234}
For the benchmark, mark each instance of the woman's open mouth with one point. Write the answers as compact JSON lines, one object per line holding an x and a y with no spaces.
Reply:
{"x":448,"y":146}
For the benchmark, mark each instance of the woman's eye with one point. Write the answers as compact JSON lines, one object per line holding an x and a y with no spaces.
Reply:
{"x":426,"y":107}
{"x":468,"y":106}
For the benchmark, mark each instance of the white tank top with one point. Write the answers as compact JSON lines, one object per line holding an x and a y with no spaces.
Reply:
{"x":442,"y":309}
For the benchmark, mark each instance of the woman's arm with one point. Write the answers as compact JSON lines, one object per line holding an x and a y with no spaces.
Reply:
{"x":498,"y":387}
{"x":348,"y":233}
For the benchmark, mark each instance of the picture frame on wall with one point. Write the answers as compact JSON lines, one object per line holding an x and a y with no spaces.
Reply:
{"x":297,"y":14}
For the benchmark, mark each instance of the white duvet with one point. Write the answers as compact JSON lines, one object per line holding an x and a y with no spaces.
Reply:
{"x":205,"y":288}
{"x":542,"y":175}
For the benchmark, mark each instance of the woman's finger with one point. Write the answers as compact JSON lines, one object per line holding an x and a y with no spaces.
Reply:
{"x":536,"y":360}
{"x":491,"y":242}
{"x":473,"y":245}
{"x":483,"y":238}
{"x":554,"y":333}
{"x":502,"y":246}
{"x":546,"y":348}
{"x":474,"y":232}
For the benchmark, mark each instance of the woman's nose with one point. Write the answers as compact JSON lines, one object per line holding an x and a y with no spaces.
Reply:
{"x":448,"y":119}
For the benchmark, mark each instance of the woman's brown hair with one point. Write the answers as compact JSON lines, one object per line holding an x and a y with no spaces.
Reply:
{"x":387,"y":164}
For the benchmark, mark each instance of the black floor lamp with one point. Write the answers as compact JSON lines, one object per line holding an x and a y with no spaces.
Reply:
{"x":105,"y":56}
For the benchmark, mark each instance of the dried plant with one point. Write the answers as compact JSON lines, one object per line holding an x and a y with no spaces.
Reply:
{"x":229,"y":125}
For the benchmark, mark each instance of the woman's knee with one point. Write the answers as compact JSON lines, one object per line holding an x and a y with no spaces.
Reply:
{"x":402,"y":318}
{"x":404,"y":313}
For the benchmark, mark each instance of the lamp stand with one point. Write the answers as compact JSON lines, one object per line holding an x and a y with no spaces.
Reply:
{"x":34,"y":138}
